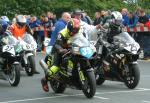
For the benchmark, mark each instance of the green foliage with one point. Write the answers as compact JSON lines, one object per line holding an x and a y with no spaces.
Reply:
{"x":37,"y":7}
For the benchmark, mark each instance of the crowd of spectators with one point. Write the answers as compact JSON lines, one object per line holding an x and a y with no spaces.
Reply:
{"x":49,"y":21}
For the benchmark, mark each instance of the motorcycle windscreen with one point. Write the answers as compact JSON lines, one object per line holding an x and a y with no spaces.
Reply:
{"x":9,"y":40}
{"x":30,"y":40}
{"x":81,"y":45}
{"x":79,"y":40}
{"x":124,"y":37}
{"x":127,"y":42}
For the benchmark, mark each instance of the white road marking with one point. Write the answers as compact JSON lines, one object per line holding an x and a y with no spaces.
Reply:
{"x":147,"y":76}
{"x":144,"y":88}
{"x":24,"y":100}
{"x":100,"y":97}
{"x":63,"y":95}
{"x":128,"y":91}
{"x":145,"y":101}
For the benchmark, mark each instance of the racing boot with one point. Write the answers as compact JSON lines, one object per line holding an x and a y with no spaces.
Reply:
{"x":44,"y":84}
{"x":49,"y":73}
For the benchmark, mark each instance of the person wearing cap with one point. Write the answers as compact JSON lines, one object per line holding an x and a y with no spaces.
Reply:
{"x":86,"y":27}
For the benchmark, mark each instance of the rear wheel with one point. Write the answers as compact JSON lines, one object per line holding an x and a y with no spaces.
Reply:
{"x":14,"y":74}
{"x":89,"y":87}
{"x":100,"y":80}
{"x":133,"y":77}
{"x":30,"y":66}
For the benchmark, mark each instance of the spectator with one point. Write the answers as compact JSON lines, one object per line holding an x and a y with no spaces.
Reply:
{"x":52,"y":21}
{"x":143,"y":19}
{"x":98,"y":18}
{"x":137,"y":12}
{"x":106,"y":17}
{"x":144,"y":37}
{"x":132,"y":20}
{"x":34,"y":22}
{"x":85,"y":27}
{"x":124,"y":13}
{"x":86,"y":18}
{"x":51,"y":17}
{"x":103,"y":14}
{"x":41,"y":34}
{"x":60,"y":24}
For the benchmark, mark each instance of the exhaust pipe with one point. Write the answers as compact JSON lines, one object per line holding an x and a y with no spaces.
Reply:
{"x":43,"y":65}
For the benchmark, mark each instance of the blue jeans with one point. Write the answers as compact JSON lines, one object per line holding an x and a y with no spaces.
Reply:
{"x":40,"y":44}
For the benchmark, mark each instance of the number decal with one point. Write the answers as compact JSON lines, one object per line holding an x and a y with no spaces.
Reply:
{"x":8,"y":48}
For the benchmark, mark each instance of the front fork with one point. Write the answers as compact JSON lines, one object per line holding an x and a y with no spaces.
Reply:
{"x":25,"y":57}
{"x":82,"y":75}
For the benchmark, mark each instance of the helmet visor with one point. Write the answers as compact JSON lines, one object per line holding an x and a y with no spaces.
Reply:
{"x":118,"y":22}
{"x":74,"y":31}
{"x":21,"y":24}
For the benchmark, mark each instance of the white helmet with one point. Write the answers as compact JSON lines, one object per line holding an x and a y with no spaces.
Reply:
{"x":5,"y":18}
{"x":21,"y":20}
{"x":117,"y":16}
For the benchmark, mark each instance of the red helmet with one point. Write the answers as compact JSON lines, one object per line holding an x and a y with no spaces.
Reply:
{"x":73,"y":26}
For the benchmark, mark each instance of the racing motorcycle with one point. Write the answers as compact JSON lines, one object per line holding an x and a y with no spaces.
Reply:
{"x":9,"y":66}
{"x":118,"y":61}
{"x":26,"y":52}
{"x":76,"y":71}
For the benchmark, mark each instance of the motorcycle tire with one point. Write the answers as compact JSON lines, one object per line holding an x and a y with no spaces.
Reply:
{"x":14,"y":75}
{"x":89,"y":87}
{"x":100,"y":81}
{"x":31,"y":66}
{"x":132,"y":81}
{"x":57,"y":87}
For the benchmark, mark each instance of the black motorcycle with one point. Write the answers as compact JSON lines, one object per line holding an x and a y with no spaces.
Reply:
{"x":117,"y":61}
{"x":9,"y":66}
{"x":76,"y":71}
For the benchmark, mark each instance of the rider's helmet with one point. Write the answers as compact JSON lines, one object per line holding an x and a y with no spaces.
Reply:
{"x":5,"y":18}
{"x":117,"y":18}
{"x":21,"y":20}
{"x":116,"y":22}
{"x":73,"y":26}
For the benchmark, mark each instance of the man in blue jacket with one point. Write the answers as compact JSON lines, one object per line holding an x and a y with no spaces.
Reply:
{"x":60,"y":24}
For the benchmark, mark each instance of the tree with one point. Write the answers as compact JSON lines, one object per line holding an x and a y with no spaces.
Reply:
{"x":37,"y":7}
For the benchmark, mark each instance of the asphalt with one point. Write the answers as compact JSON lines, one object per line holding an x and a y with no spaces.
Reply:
{"x":29,"y":90}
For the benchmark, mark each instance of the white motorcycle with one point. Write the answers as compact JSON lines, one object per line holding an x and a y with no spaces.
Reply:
{"x":26,"y":53}
{"x":9,"y":66}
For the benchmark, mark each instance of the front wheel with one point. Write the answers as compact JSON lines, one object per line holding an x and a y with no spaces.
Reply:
{"x":89,"y":87}
{"x":14,"y":74}
{"x":30,"y":68}
{"x":57,"y":87}
{"x":133,"y":77}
